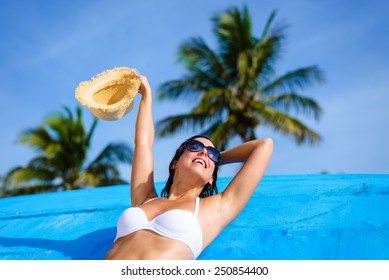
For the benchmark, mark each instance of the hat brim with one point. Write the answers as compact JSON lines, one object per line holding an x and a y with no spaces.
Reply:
{"x":110,"y":95}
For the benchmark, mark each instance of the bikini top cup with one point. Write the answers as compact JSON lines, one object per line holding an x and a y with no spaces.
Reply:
{"x":176,"y":224}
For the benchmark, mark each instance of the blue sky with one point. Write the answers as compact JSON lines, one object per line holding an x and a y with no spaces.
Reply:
{"x":48,"y":47}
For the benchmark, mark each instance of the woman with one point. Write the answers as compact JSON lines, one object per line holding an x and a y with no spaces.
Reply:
{"x":181,"y":225}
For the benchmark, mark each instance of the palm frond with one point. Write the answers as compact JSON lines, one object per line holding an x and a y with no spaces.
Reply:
{"x":188,"y":87}
{"x":19,"y":175}
{"x":196,"y":54}
{"x":58,"y":125}
{"x":223,"y":132}
{"x":43,"y":163}
{"x":206,"y":68}
{"x":294,"y":80}
{"x":91,"y":132}
{"x":114,"y":153}
{"x":100,"y":174}
{"x":306,"y":105}
{"x":176,"y":123}
{"x":215,"y":101}
{"x":265,"y":53}
{"x":233,"y":32}
{"x":210,"y":129}
{"x":37,"y":138}
{"x":268,"y":24}
{"x":286,"y":124}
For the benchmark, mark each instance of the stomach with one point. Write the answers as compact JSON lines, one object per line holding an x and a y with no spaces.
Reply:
{"x":148,"y":245}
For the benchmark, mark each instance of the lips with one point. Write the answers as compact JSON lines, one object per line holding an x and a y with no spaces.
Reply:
{"x":200,"y":161}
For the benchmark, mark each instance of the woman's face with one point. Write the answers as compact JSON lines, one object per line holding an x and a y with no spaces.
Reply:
{"x":197,"y":162}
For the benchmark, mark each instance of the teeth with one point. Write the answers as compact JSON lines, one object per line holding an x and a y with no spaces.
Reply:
{"x":200,"y":161}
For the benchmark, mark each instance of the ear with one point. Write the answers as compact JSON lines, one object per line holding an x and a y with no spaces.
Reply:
{"x":173,"y":165}
{"x":210,"y":181}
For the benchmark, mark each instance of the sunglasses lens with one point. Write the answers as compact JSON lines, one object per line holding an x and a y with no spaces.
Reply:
{"x":213,"y":154}
{"x":196,"y":146}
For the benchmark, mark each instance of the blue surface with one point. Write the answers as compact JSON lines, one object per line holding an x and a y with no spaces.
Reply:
{"x":300,"y":217}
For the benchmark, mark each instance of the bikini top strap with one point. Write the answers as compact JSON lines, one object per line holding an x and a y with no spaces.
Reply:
{"x":150,"y":200}
{"x":196,"y":211}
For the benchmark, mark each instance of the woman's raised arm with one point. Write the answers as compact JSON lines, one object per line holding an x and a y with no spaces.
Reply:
{"x":255,"y":155}
{"x":142,"y":175}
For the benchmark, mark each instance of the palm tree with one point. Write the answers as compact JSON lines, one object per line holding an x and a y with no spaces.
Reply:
{"x":62,"y":144}
{"x":235,"y":87}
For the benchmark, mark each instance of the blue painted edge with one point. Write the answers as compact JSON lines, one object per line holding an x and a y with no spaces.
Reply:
{"x":299,"y":217}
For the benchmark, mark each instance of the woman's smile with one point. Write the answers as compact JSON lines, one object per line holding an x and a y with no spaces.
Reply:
{"x":200,"y":161}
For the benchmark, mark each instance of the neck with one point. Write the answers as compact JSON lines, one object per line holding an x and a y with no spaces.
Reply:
{"x":183,"y":189}
{"x":174,"y":196}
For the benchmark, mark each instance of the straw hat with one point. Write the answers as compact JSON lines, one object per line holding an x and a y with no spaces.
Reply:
{"x":110,"y":94}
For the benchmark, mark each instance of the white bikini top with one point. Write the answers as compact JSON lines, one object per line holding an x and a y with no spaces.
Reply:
{"x":177,"y":224}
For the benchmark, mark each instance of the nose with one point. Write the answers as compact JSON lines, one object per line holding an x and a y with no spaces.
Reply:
{"x":204,"y":151}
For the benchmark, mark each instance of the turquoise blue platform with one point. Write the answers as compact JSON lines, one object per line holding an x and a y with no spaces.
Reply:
{"x":307,"y":217}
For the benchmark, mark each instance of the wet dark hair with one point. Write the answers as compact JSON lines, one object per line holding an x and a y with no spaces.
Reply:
{"x":207,"y":190}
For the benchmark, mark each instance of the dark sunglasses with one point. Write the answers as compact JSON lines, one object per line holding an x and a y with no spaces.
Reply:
{"x":197,"y":146}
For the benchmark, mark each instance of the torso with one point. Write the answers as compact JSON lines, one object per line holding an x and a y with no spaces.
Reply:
{"x":147,"y":245}
{"x":147,"y":232}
